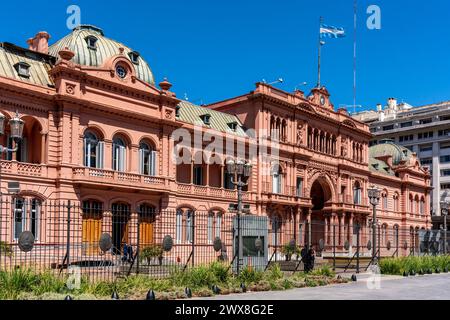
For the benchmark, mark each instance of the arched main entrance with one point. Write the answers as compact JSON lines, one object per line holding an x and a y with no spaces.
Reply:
{"x":321,"y":198}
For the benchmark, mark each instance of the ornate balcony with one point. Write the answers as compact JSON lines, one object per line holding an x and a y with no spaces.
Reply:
{"x":23,"y":169}
{"x":96,"y":176}
{"x":206,"y":191}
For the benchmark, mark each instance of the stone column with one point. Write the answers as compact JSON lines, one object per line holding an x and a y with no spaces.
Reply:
{"x":341,"y":228}
{"x":326,"y":230}
{"x":308,"y":219}
{"x":350,"y":231}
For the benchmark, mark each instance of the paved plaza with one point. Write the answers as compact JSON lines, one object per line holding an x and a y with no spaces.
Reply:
{"x":429,"y":287}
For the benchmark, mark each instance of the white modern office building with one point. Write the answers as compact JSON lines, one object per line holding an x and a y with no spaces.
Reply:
{"x":424,"y":130}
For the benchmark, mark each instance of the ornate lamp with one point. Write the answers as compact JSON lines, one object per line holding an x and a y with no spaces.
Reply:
{"x":444,"y":208}
{"x":374,"y":195}
{"x":247,"y":169}
{"x":16,"y":125}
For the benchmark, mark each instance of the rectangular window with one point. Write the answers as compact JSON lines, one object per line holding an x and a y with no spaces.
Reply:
{"x":198,"y":175}
{"x":218,"y":225}
{"x":426,"y":161}
{"x":249,"y":246}
{"x":444,"y":146}
{"x":276,"y":180}
{"x":179,"y":226}
{"x":445,"y":159}
{"x":425,"y":121}
{"x":406,"y":124}
{"x":34,"y":218}
{"x":426,"y":148}
{"x":386,"y":128}
{"x":210,"y":227}
{"x":19,"y":217}
{"x":299,"y":187}
{"x":445,"y":173}
{"x":189,"y":217}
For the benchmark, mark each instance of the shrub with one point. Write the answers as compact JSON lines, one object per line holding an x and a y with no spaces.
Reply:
{"x":325,"y":270}
{"x":274,"y":273}
{"x":153,"y":251}
{"x":249,"y":275}
{"x":290,"y":249}
{"x":220,"y":271}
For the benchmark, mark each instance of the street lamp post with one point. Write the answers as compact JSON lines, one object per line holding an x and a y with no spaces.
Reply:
{"x":444,"y":211}
{"x":242,"y":171}
{"x":374,"y":197}
{"x":16,"y":133}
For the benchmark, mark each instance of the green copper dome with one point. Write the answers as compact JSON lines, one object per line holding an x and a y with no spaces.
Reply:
{"x":92,"y":48}
{"x":388,"y":147}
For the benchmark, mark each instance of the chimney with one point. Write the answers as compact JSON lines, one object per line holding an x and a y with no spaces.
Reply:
{"x":379,"y":107}
{"x":392,"y":103}
{"x":39,"y":43}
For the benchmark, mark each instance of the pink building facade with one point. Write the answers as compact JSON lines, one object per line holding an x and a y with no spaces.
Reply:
{"x":98,"y":131}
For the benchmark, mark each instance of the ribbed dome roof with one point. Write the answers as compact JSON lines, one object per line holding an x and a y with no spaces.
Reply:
{"x":388,"y":147}
{"x":105,"y":48}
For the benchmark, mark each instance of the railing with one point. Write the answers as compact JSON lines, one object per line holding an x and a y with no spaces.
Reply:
{"x":348,"y":199}
{"x":211,"y":191}
{"x":21,"y":168}
{"x":114,"y":176}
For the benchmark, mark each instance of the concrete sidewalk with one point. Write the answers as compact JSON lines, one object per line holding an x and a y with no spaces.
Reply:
{"x":428,"y":287}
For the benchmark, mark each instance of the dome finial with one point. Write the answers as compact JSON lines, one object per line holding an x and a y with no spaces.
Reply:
{"x":165,"y":85}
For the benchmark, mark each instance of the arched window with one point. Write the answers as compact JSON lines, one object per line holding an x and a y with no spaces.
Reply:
{"x":184,"y":221}
{"x":147,"y":160}
{"x":422,"y":206}
{"x":396,"y":237}
{"x":93,"y":150}
{"x":396,"y":204}
{"x":384,"y":234}
{"x":277,"y":179}
{"x":91,"y":226}
{"x":411,"y":204}
{"x":118,"y":154}
{"x":214,"y":225}
{"x":417,"y":203}
{"x":357,"y":193}
{"x":27,"y":213}
{"x":384,"y":201}
{"x":146,"y":220}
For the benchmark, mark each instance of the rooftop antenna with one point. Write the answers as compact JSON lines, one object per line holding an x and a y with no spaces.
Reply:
{"x":186,"y":97}
{"x":355,"y":16}
{"x":280,"y":80}
{"x":303,"y":84}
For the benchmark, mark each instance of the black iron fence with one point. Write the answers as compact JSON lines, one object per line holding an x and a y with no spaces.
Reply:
{"x":106,"y":243}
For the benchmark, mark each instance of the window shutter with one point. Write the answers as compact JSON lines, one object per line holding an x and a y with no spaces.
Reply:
{"x":121,"y":159}
{"x":37,"y":219}
{"x":24,"y":214}
{"x":100,"y":151}
{"x":85,"y":153}
{"x":154,"y":154}
{"x":141,"y":161}
{"x":15,"y":218}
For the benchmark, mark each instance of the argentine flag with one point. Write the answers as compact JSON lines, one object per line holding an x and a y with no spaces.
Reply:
{"x":331,"y":32}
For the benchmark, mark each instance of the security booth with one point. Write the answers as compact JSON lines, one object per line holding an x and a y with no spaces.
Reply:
{"x":431,"y":242}
{"x":254,"y":230}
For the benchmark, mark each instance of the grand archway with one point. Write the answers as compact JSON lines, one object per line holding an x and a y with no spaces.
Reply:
{"x":321,"y":198}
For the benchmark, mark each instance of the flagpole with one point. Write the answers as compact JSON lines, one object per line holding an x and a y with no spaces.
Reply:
{"x":355,"y":12}
{"x":319,"y":55}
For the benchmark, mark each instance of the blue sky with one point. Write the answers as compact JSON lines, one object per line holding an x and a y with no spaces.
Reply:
{"x":213,"y":50}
